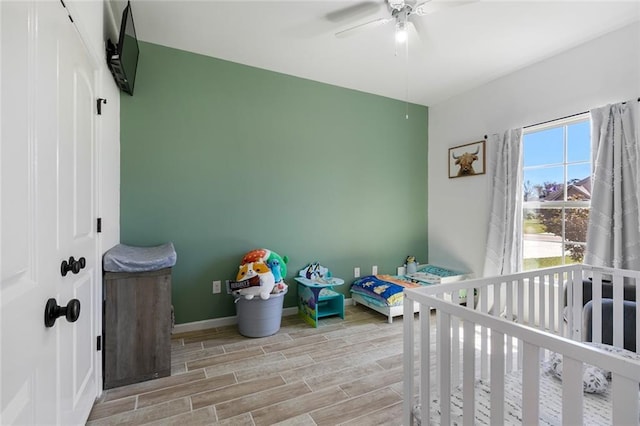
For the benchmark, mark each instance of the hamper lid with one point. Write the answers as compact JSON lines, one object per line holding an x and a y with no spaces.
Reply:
{"x":124,"y":258}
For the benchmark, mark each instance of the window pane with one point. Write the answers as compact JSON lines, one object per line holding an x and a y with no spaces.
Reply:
{"x":541,"y":247}
{"x":544,"y":184}
{"x":579,"y":142}
{"x":579,"y":179}
{"x":556,"y":174}
{"x":543,"y":147}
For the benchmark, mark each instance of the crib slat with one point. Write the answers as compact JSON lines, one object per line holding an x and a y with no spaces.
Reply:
{"x":407,"y":357}
{"x":596,"y":307}
{"x":484,"y":359}
{"x":571,"y":391}
{"x":531,"y":294}
{"x":635,"y":283}
{"x":530,"y":384}
{"x":444,"y":343}
{"x":562,"y":331}
{"x":497,"y":378}
{"x":520,"y":315}
{"x":509,"y":317}
{"x":542,"y":313}
{"x":469,"y":374}
{"x":624,"y":396}
{"x":618,"y":311}
{"x":455,"y":342}
{"x":575,"y":314}
{"x":425,"y":364}
{"x":553,"y":289}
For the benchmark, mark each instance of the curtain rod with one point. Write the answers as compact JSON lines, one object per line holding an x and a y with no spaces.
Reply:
{"x":558,"y":119}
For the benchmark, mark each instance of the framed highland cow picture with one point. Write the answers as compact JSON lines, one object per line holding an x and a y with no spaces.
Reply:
{"x":467,"y":160}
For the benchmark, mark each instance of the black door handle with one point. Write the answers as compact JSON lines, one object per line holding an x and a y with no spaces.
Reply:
{"x":52,"y":311}
{"x":72,"y":265}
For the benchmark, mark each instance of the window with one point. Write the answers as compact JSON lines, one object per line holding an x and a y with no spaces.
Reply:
{"x":557,"y":192}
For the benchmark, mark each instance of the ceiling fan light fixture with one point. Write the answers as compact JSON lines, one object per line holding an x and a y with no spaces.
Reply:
{"x":401,"y":32}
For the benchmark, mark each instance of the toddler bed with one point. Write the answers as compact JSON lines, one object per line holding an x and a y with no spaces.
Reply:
{"x":384,"y":293}
{"x":513,"y":354}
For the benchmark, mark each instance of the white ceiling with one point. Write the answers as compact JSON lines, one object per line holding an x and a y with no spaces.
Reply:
{"x":458,"y":48}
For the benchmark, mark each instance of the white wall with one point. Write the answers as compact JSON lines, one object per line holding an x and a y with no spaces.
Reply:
{"x":605,"y":70}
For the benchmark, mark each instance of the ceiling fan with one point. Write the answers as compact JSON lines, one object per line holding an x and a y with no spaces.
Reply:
{"x":401,"y":11}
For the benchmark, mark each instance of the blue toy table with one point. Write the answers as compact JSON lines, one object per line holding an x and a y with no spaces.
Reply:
{"x":317,"y":299}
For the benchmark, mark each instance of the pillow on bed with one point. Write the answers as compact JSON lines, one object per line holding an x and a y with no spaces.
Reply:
{"x":592,"y":376}
{"x":615,"y":350}
{"x":594,"y":379}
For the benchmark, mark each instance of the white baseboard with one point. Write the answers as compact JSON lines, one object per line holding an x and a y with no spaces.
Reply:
{"x":221,"y":322}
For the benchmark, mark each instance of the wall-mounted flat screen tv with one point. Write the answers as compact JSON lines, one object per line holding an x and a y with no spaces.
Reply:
{"x":123,"y":57}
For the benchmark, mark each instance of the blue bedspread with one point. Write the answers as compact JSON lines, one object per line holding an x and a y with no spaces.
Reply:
{"x":387,"y":289}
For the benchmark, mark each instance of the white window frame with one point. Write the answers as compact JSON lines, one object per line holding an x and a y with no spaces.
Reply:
{"x":528,"y":205}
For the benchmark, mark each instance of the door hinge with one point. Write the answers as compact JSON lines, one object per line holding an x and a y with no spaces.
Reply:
{"x":99,"y":103}
{"x":99,"y":343}
{"x":99,"y":225}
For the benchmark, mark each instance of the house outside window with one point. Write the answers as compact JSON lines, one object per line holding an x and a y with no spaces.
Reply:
{"x":557,"y":192}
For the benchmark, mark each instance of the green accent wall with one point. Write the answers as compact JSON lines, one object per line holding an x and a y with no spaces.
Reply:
{"x":221,"y":158}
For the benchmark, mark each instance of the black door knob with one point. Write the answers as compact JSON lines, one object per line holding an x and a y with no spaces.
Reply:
{"x":52,"y":311}
{"x":75,"y":267}
{"x":72,"y":265}
{"x":67,"y":266}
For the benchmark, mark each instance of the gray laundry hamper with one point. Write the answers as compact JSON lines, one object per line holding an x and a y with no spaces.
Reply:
{"x":259,"y":317}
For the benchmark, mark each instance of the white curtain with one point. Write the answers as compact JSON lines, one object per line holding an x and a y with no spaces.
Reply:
{"x":613,"y":235}
{"x":504,"y":248}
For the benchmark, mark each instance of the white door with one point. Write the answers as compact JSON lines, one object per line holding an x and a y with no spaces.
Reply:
{"x":46,"y":216}
{"x":77,"y":238}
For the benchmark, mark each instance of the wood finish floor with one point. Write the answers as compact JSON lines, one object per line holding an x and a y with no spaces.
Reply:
{"x":346,"y":372}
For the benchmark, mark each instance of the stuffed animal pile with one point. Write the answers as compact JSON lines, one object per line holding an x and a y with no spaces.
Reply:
{"x":262,"y":271}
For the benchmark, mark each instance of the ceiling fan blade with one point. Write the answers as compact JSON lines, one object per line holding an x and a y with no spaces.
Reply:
{"x":430,"y":6}
{"x":356,"y":29}
{"x":354,"y":11}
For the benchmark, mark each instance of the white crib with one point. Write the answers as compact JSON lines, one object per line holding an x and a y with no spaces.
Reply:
{"x":506,"y":327}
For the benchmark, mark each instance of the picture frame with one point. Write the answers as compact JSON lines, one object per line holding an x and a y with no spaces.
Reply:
{"x":467,"y":160}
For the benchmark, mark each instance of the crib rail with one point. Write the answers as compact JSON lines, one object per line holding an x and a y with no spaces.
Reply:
{"x":512,"y":322}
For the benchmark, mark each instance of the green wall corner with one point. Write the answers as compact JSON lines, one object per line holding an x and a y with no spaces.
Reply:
{"x":221,"y":158}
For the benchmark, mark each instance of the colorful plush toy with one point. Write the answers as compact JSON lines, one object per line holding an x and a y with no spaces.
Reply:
{"x":411,"y":265}
{"x":265,"y":255}
{"x":276,"y":269}
{"x":274,"y":265}
{"x":315,"y":271}
{"x":269,"y":266}
{"x":266,"y":283}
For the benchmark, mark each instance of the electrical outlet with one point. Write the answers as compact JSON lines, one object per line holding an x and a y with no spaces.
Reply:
{"x":374,"y":270}
{"x":216,"y":287}
{"x":356,"y":272}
